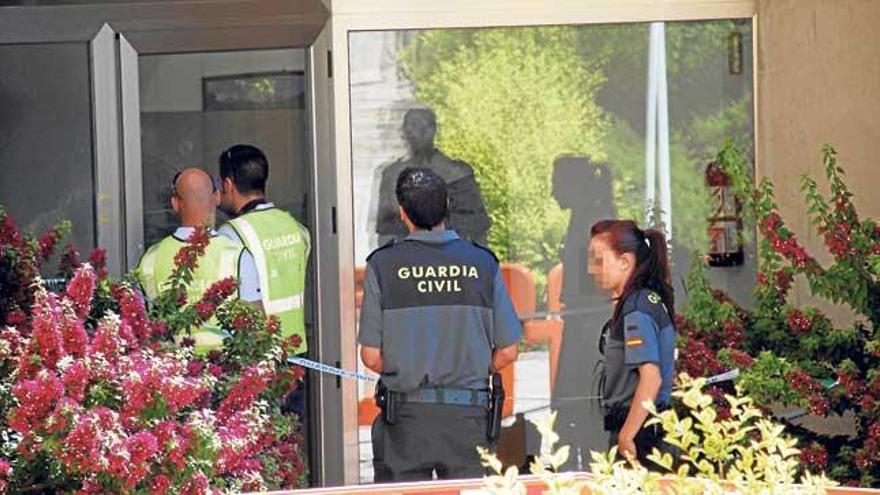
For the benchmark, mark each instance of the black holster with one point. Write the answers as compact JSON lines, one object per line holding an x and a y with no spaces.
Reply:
{"x":615,"y":418}
{"x":496,"y":407}
{"x":386,"y":400}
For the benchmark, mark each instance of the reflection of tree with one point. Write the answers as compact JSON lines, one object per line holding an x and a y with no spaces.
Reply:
{"x":696,"y":53}
{"x":691,"y":148}
{"x":508,"y":101}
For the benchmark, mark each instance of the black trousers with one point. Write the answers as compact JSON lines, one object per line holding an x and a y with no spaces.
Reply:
{"x":429,"y":438}
{"x":296,"y":403}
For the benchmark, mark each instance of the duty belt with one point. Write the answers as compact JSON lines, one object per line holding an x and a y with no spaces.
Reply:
{"x":452,"y":396}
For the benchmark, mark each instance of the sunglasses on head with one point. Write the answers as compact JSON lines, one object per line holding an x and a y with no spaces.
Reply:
{"x":215,"y":184}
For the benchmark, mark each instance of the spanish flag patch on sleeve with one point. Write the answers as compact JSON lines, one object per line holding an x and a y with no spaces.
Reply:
{"x":635,"y":341}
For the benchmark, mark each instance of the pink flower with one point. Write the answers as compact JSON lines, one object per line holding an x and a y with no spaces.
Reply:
{"x":854,"y":387}
{"x":741,"y":359}
{"x":134,"y":312}
{"x":36,"y":398}
{"x":798,"y":322}
{"x":814,"y":458}
{"x":69,"y":260}
{"x":194,"y":368}
{"x":810,"y":388}
{"x":98,"y":260}
{"x":732,"y":334}
{"x":772,"y":222}
{"x":159,"y":485}
{"x":242,"y":394}
{"x":80,"y":290}
{"x":14,"y":342}
{"x":197,"y":484}
{"x":60,"y":420}
{"x":45,"y":328}
{"x":205,"y":309}
{"x":73,"y":335}
{"x":174,"y":441}
{"x":220,"y":290}
{"x":187,"y":257}
{"x":699,"y":359}
{"x":83,"y":451}
{"x":46,"y":244}
{"x":75,"y":380}
{"x":215,"y":370}
{"x":16,"y":318}
{"x":142,"y":448}
{"x":106,"y":340}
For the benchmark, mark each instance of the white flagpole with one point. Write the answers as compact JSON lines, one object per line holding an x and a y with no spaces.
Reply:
{"x":663,"y":134}
{"x":651,"y":126}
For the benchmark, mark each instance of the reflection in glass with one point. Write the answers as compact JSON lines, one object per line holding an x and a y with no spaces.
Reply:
{"x":552,"y":122}
{"x":193,"y":106}
{"x":46,"y":126}
{"x":467,"y":214}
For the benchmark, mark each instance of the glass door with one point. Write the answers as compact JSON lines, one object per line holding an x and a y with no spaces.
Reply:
{"x":183,"y":110}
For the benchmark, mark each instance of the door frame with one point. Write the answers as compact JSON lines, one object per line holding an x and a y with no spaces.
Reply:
{"x":379,"y":15}
{"x":116,"y":34}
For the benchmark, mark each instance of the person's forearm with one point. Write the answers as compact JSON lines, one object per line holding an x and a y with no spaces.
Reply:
{"x":647,"y":389}
{"x":375,"y":366}
{"x":501,"y":358}
{"x":372,"y":359}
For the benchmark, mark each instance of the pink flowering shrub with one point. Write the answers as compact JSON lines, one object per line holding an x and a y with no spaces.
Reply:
{"x":791,"y":355}
{"x":96,"y":397}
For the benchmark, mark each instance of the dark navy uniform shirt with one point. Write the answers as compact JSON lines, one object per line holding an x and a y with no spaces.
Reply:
{"x":646,"y":335}
{"x":437,"y":307}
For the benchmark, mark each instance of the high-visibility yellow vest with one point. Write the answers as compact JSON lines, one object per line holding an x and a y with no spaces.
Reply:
{"x":220,"y":261}
{"x":280,"y":246}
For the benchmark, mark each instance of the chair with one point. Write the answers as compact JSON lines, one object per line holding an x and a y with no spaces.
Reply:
{"x":520,"y":283}
{"x":549,"y":328}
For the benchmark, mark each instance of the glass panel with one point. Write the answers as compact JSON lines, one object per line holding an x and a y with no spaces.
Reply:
{"x":193,"y":106}
{"x":552,"y":123}
{"x":45,"y":125}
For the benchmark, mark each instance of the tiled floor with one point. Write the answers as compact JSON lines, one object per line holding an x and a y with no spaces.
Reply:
{"x":532,"y":396}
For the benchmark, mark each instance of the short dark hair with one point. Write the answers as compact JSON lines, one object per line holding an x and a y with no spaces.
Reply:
{"x":247,"y":166}
{"x":423,"y":196}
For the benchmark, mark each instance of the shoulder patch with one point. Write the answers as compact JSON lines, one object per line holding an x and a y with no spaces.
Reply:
{"x":484,"y":248}
{"x":381,"y":248}
{"x":654,"y":298}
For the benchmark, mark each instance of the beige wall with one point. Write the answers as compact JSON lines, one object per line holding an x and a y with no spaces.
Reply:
{"x":819,"y":82}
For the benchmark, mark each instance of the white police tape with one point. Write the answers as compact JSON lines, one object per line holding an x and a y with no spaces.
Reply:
{"x":324,"y":368}
{"x":723,"y":377}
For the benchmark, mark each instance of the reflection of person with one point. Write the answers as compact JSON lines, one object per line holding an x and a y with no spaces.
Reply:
{"x":467,"y":213}
{"x":584,"y":188}
{"x":638,"y":342}
{"x":195,"y":200}
{"x":435,"y":320}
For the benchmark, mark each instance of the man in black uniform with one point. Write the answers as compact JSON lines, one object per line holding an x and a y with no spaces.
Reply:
{"x":436,"y":321}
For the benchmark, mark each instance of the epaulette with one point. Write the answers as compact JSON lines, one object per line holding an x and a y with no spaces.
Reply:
{"x":381,"y":248}
{"x":646,"y":301}
{"x":484,"y":248}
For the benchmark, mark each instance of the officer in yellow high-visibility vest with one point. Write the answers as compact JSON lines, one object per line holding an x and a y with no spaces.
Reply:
{"x":280,"y":246}
{"x":195,"y":199}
